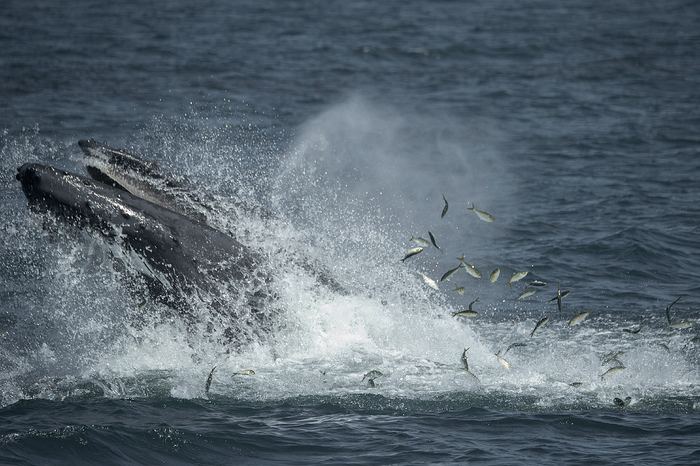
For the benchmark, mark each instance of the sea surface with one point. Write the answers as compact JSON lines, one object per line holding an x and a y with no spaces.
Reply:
{"x":575,"y":124}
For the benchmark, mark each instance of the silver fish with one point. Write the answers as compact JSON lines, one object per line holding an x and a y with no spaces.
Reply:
{"x":539,"y":325}
{"x":431,"y":283}
{"x":678,"y":325}
{"x":482,"y":215}
{"x":525,"y":294}
{"x":472,"y":303}
{"x":459,"y":289}
{"x":432,"y":239}
{"x":208,"y":384}
{"x":471,"y":270}
{"x":576,"y":384}
{"x":244,"y":372}
{"x":560,"y":295}
{"x":503,"y":362}
{"x":668,"y":309}
{"x":611,"y":371}
{"x":621,"y":402}
{"x":516,"y":277}
{"x":578,"y":319}
{"x":372,"y":375}
{"x":633,"y":331}
{"x":537,"y":283}
{"x":421,"y":242}
{"x":494,"y":275}
{"x":411,"y":253}
{"x":464,"y":313}
{"x":450,"y":272}
{"x":465,"y":362}
{"x":444,"y":210}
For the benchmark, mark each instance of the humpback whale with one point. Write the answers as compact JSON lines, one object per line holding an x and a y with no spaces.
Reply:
{"x":158,"y":218}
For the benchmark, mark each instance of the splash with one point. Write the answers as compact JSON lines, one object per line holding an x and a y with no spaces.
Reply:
{"x":347,"y":195}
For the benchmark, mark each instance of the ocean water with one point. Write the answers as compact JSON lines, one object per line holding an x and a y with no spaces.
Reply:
{"x":574,"y":124}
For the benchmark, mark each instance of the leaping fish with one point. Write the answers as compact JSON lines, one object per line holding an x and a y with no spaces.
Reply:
{"x":421,"y":242}
{"x":471,"y":270}
{"x":668,"y":310}
{"x":516,"y":277}
{"x":245,"y":372}
{"x":431,"y":283}
{"x":494,"y":275}
{"x":525,"y":294}
{"x":578,"y":319}
{"x":678,"y":325}
{"x":611,"y":371}
{"x":539,"y":325}
{"x":503,"y":362}
{"x":459,"y":289}
{"x":444,"y":210}
{"x":451,"y":272}
{"x":465,"y":362}
{"x":432,"y":239}
{"x":411,"y":253}
{"x":481,"y":214}
{"x":208,"y":384}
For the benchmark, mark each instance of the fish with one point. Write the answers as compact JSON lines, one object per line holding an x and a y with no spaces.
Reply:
{"x":208,"y":384}
{"x":372,"y":375}
{"x":678,"y":325}
{"x":464,"y":359}
{"x":578,"y":319}
{"x":432,"y":239}
{"x":472,"y":303}
{"x":411,"y":253}
{"x":444,"y":210}
{"x":421,"y":242}
{"x":481,"y":214}
{"x":560,"y":295}
{"x":611,"y":371}
{"x":514,"y":345}
{"x":576,"y":384}
{"x":537,"y":283}
{"x":503,"y":362}
{"x":494,"y":275}
{"x":450,"y":272}
{"x":668,"y":309}
{"x":459,"y":289}
{"x":516,"y":277}
{"x":471,"y":270}
{"x":525,"y":294}
{"x":244,"y":372}
{"x":431,"y":283}
{"x":464,"y":313}
{"x":629,"y":330}
{"x":539,"y":324}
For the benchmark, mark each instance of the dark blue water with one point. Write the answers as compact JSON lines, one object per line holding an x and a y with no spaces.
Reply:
{"x":575,"y":124}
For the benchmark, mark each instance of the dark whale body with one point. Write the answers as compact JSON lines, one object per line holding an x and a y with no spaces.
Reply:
{"x":185,"y":257}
